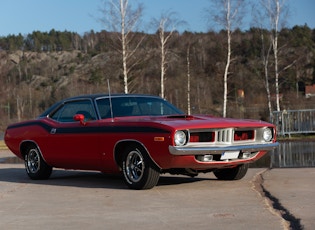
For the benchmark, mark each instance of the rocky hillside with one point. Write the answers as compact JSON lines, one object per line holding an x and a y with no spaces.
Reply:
{"x":33,"y":78}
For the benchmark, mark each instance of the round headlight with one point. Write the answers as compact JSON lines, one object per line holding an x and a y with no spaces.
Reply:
{"x":267,"y":134}
{"x":180,"y":138}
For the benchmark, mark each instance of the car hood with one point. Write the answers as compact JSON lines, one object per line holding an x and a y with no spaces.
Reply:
{"x":196,"y":121}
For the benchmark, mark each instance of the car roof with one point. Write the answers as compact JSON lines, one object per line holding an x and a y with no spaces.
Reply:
{"x":92,"y":97}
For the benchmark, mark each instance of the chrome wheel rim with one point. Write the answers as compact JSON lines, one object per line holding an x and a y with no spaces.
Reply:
{"x":32,"y":161}
{"x":134,"y":166}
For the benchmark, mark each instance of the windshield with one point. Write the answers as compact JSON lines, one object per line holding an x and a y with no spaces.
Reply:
{"x":135,"y":106}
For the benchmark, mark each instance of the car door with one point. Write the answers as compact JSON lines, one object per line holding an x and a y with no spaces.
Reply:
{"x":74,"y":144}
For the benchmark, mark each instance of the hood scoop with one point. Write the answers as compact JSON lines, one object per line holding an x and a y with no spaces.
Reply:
{"x":181,"y":116}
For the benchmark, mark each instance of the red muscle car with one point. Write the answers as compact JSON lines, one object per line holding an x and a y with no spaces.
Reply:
{"x":141,"y":136}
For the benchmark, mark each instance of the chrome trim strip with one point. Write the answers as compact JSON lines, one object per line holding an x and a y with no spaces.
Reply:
{"x":186,"y":150}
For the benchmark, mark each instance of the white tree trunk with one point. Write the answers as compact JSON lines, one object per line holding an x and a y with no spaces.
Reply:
{"x":226,"y":72}
{"x":268,"y":89}
{"x":163,"y":62}
{"x":227,"y":14}
{"x":275,"y":51}
{"x":265,"y":62}
{"x":123,"y":5}
{"x":188,"y":80}
{"x":228,"y":61}
{"x":121,"y":18}
{"x":163,"y":43}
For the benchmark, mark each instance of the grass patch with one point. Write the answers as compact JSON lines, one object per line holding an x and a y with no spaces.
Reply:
{"x":2,"y":145}
{"x":297,"y":137}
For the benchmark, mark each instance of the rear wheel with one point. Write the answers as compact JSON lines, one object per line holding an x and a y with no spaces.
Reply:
{"x":138,"y":169}
{"x":235,"y":173}
{"x":36,"y":167}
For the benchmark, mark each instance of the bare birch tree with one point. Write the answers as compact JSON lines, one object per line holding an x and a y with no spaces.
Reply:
{"x":276,"y":11}
{"x":227,"y":13}
{"x":166,"y":27}
{"x":119,"y":16}
{"x":188,"y":79}
{"x":265,"y":53}
{"x":266,"y":48}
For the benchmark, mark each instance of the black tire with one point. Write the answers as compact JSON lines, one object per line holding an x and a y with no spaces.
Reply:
{"x":36,"y":167}
{"x":138,"y":169}
{"x":236,"y":173}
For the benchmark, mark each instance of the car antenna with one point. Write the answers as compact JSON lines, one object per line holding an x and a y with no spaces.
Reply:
{"x":110,"y":101}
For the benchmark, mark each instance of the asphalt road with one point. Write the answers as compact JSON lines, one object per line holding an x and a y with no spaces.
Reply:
{"x":264,"y":199}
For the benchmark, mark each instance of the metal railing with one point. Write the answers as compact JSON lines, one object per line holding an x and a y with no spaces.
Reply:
{"x":294,"y":121}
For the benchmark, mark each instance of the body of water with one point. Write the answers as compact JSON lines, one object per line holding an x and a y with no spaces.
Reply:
{"x":293,"y":154}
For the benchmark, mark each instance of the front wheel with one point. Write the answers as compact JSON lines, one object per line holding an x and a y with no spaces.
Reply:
{"x":138,"y":169}
{"x":36,"y":167}
{"x":235,"y":173}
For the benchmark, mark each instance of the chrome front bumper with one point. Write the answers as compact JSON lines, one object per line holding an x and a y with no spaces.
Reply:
{"x":194,"y":150}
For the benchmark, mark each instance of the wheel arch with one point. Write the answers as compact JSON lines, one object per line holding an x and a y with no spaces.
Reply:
{"x":24,"y":146}
{"x":123,"y":144}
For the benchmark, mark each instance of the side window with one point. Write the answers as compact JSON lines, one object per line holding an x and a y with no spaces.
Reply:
{"x":154,"y":107}
{"x":69,"y":109}
{"x":121,"y":107}
{"x":104,"y":108}
{"x":124,"y":106}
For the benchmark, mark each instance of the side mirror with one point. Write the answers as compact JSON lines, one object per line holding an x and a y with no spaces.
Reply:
{"x":79,"y":117}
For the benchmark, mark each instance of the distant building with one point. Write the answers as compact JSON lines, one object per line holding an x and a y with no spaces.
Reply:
{"x":309,"y":91}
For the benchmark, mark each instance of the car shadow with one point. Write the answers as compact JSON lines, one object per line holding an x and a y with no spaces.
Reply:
{"x":87,"y":179}
{"x":68,"y":178}
{"x":167,"y":179}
